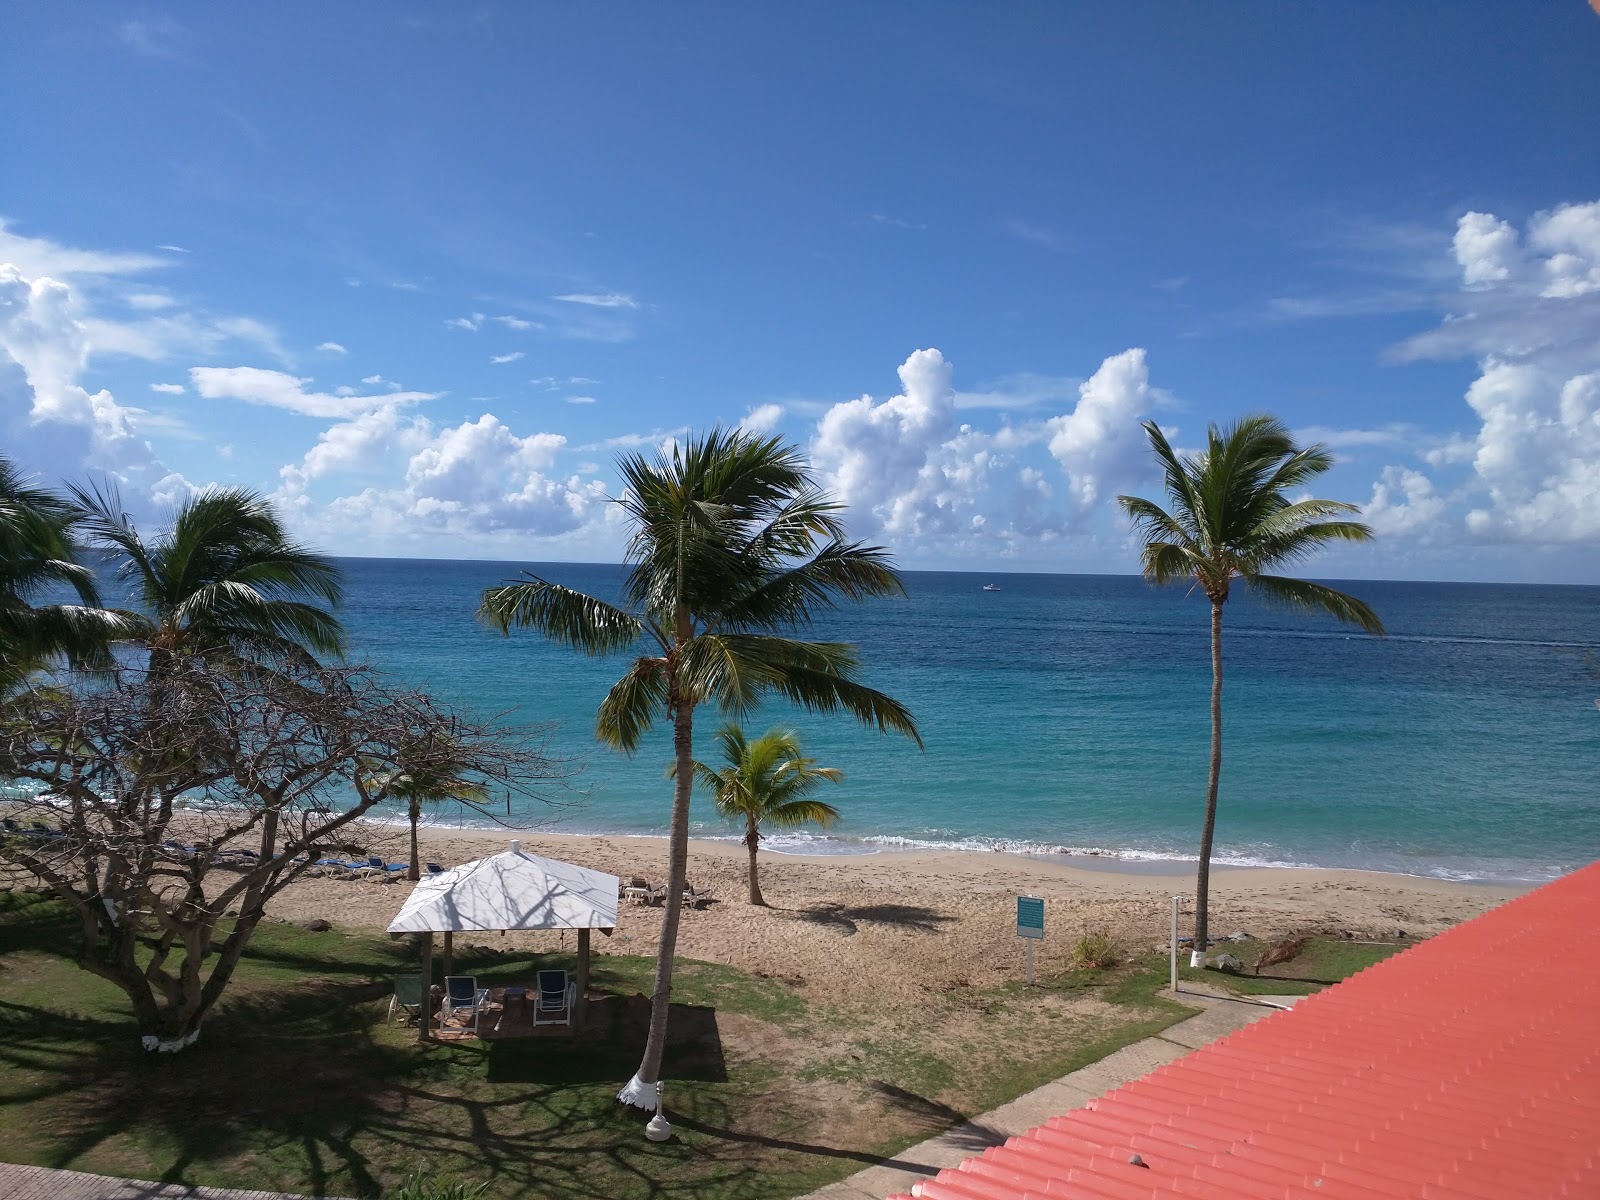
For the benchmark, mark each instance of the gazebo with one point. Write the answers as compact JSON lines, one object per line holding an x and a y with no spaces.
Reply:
{"x":510,"y":890}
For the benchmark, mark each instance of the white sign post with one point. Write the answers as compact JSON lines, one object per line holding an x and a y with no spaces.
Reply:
{"x":1173,"y":945}
{"x":1030,"y":925}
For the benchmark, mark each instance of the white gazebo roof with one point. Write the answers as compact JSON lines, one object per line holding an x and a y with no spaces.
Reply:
{"x":511,"y":890}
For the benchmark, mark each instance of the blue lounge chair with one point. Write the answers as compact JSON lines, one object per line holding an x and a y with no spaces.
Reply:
{"x":557,"y":996}
{"x":464,"y":1000}
{"x":376,"y":863}
{"x":435,"y":869}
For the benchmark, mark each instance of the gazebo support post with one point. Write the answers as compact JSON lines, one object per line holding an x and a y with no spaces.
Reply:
{"x":425,"y":1026}
{"x":583,"y":978}
{"x":449,"y":953}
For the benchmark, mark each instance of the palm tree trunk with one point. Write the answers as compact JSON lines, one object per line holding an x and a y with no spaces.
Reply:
{"x":414,"y":872}
{"x":644,"y":1088}
{"x":1203,"y":880}
{"x":752,"y":839}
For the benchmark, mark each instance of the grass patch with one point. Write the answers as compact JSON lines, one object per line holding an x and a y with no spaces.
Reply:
{"x":1324,"y":962}
{"x":299,"y":1085}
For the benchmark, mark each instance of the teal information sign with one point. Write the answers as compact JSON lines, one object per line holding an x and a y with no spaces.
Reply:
{"x":1030,"y":916}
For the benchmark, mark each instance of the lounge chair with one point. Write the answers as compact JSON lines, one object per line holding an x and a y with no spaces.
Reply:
{"x":696,"y":897}
{"x":639,"y":891}
{"x":407,"y":996}
{"x":376,"y":863}
{"x":462,"y":995}
{"x":435,"y":869}
{"x":557,"y":996}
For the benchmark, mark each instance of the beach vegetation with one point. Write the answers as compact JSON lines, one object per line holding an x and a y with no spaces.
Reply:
{"x":767,"y":781}
{"x":177,"y":803}
{"x":1236,"y":513}
{"x":1096,"y":950}
{"x":421,"y":1186}
{"x":732,"y":552}
{"x":433,"y":779}
{"x":224,"y":579}
{"x":41,"y":556}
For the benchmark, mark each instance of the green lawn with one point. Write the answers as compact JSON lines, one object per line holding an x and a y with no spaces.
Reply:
{"x":298,"y":1084}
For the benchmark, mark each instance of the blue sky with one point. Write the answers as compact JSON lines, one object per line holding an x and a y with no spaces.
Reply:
{"x":423,"y":271}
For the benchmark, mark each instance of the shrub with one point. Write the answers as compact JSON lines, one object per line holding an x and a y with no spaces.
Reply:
{"x":1096,"y":950}
{"x":416,"y":1187}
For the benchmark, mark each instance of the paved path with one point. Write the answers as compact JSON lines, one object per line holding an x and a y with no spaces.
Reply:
{"x":1220,"y":1016}
{"x":41,"y":1183}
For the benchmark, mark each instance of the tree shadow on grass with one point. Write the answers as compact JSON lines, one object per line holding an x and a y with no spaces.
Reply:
{"x":914,"y":918}
{"x":301,"y":1089}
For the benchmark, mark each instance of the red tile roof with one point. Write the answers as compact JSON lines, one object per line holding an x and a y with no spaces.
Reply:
{"x":1465,"y":1068}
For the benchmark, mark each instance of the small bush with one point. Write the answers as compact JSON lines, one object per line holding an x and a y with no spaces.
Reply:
{"x":416,"y":1187}
{"x":1096,"y":950}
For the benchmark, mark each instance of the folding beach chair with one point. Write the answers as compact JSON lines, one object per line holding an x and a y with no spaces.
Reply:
{"x":407,"y":996}
{"x":463,"y":998}
{"x":557,"y":996}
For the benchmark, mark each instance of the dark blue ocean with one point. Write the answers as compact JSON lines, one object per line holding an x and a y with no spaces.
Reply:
{"x":1069,"y":713}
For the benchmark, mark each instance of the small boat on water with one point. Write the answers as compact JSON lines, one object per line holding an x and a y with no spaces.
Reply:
{"x":991,"y":587}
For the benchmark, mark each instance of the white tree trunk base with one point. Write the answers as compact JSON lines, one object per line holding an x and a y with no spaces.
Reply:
{"x":158,"y":1045}
{"x":1197,"y":959}
{"x":640,"y":1094}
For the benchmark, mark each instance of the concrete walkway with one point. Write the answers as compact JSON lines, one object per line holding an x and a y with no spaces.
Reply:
{"x":41,"y":1183}
{"x":1219,"y":1017}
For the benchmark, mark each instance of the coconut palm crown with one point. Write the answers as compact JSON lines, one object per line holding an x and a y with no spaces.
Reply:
{"x":767,"y":781}
{"x":732,"y":551}
{"x":39,"y":556}
{"x":224,"y":578}
{"x":1231,"y":518}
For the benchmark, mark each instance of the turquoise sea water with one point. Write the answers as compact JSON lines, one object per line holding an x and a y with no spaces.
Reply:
{"x":1069,"y":713}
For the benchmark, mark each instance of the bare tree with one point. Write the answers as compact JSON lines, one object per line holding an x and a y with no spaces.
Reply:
{"x":185,"y":801}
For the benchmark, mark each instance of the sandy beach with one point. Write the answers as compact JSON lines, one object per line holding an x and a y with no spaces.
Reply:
{"x":882,"y":929}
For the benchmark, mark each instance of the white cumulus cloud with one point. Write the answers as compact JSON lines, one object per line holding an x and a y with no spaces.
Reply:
{"x":499,"y":359}
{"x":1099,"y":443}
{"x":1529,"y":312}
{"x":332,"y":348}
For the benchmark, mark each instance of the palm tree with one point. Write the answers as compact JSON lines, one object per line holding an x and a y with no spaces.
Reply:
{"x":224,"y":579}
{"x":1231,"y":518}
{"x":766,"y":781}
{"x":39,"y":555}
{"x":733,"y":549}
{"x":417,"y":785}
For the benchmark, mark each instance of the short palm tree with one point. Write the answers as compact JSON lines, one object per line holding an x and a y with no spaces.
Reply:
{"x":732,"y":551}
{"x":418,"y":786}
{"x":38,"y":556}
{"x":224,"y":578}
{"x":766,"y":782}
{"x":1231,"y":517}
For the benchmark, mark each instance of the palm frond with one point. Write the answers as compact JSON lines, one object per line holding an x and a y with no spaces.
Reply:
{"x":632,"y":705}
{"x":1315,"y":597}
{"x":562,"y":614}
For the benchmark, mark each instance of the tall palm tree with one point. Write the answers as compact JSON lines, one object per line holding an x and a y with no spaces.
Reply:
{"x":1231,"y":517}
{"x":223,"y":578}
{"x":732,"y":551}
{"x":767,"y":781}
{"x":38,"y":556}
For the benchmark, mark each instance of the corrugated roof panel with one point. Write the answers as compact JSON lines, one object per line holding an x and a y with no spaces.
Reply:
{"x":1465,"y":1068}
